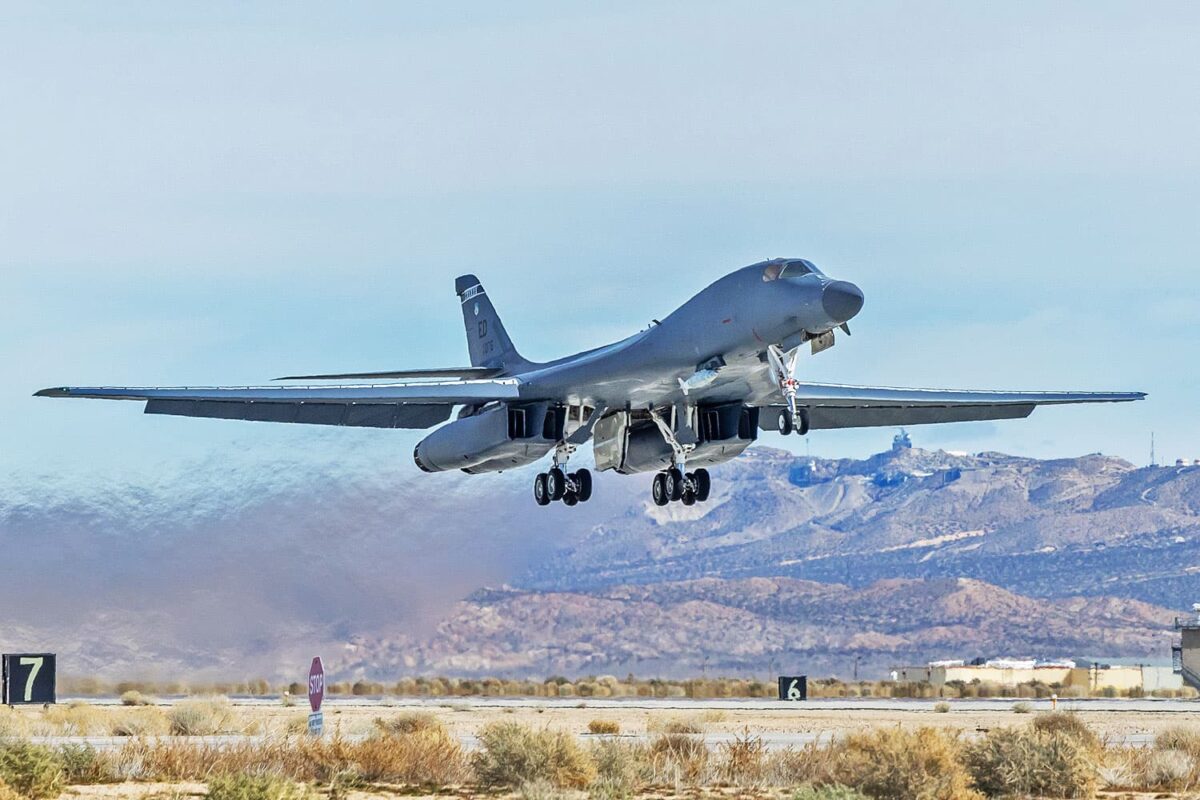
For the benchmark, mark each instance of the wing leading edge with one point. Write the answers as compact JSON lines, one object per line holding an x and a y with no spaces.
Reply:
{"x":832,"y":405}
{"x":396,"y":405}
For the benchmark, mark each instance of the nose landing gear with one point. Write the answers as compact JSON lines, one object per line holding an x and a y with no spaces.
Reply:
{"x":783,"y":368}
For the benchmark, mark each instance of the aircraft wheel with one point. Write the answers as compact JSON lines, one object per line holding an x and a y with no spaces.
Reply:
{"x":785,"y":423}
{"x":583,"y":485}
{"x":540,"y":492}
{"x":703,"y":484}
{"x":556,"y":483}
{"x":675,"y":483}
{"x":570,"y":499}
{"x":659,"y":490}
{"x":803,"y":414}
{"x":689,"y":498}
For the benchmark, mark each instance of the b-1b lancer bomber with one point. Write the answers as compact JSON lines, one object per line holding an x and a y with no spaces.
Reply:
{"x":684,"y":394}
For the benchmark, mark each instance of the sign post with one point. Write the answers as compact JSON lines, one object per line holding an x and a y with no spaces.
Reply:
{"x":28,"y":678}
{"x":316,"y":694}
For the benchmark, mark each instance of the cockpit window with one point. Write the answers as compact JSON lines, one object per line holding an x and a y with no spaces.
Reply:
{"x":771,"y":272}
{"x":789,"y":269}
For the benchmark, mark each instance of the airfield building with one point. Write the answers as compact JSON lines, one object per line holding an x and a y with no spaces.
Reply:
{"x":1014,"y":672}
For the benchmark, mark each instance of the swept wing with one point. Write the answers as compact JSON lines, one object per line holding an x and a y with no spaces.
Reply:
{"x":832,"y":405}
{"x":392,"y":405}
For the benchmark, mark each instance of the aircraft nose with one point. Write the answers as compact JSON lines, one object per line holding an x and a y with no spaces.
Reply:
{"x":841,"y":300}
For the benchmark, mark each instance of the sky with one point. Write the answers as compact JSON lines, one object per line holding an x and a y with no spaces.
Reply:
{"x":222,"y":193}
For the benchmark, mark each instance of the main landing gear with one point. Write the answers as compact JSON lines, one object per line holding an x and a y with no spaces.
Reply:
{"x":571,"y":488}
{"x":675,"y":485}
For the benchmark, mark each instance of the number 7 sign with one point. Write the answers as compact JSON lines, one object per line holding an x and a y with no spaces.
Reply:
{"x":28,"y":678}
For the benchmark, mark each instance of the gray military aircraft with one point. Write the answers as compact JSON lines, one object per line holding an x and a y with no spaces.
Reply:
{"x":685,"y":393}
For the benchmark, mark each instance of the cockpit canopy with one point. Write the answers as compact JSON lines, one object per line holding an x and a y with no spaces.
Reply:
{"x":789,"y":268}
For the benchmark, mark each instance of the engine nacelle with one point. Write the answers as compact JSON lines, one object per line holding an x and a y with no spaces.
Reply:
{"x":491,"y":440}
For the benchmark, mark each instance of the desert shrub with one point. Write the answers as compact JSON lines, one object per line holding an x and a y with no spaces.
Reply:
{"x":1156,"y":770}
{"x":713,"y":716}
{"x":743,"y":760}
{"x":139,"y":722}
{"x":604,"y":726}
{"x":895,"y":764}
{"x":427,"y":757}
{"x":134,"y":698}
{"x":941,"y":708}
{"x":9,"y":793}
{"x":255,"y":787}
{"x":1068,"y":724}
{"x":512,"y":754}
{"x":75,"y":719}
{"x":1022,"y":708}
{"x":678,"y":758}
{"x":674,"y":725}
{"x":81,"y":764}
{"x":828,"y":792}
{"x":1028,"y":761}
{"x":621,"y":767}
{"x":201,"y":717}
{"x":410,"y":722}
{"x":31,"y":770}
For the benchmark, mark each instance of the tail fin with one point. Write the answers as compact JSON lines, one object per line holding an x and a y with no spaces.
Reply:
{"x":487,"y":341}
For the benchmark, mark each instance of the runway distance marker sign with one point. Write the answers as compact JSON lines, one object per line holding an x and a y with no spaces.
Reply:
{"x":28,"y":678}
{"x":793,"y":687}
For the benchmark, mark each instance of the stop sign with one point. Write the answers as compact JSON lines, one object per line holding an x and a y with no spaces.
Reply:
{"x":316,"y":684}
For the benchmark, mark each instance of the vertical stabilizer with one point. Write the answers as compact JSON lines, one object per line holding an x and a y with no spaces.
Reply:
{"x":487,"y":341}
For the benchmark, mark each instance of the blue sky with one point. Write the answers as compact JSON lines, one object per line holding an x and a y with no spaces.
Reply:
{"x":224,"y":193}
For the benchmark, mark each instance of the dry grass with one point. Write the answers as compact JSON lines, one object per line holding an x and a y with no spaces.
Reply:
{"x":512,"y":754}
{"x":609,"y":726}
{"x":622,"y":768}
{"x":941,"y":708}
{"x":139,"y":722}
{"x":828,"y":792}
{"x":134,"y":698}
{"x":743,"y":760}
{"x":895,"y":764}
{"x":679,"y":759}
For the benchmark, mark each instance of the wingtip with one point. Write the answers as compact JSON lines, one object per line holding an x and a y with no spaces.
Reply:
{"x":57,"y":391}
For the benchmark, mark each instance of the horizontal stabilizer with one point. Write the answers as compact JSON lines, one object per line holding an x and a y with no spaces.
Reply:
{"x":401,"y":375}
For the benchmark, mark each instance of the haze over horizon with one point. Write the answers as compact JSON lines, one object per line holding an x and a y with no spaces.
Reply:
{"x":225,"y":195}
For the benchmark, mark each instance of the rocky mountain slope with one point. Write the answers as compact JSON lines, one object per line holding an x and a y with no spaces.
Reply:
{"x":908,"y":555}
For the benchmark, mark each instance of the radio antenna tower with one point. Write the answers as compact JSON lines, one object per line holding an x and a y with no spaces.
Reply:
{"x":1153,"y":463}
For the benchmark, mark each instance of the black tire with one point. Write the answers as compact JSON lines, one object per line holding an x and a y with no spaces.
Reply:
{"x":703,"y":484}
{"x":541,"y":494}
{"x":658,"y":490}
{"x":583,"y":485}
{"x":785,"y":423}
{"x":803,"y":414}
{"x":570,"y":499}
{"x":556,"y":483}
{"x":689,"y":498}
{"x":675,"y":483}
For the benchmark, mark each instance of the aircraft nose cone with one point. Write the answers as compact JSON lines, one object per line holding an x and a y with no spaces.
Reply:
{"x":841,"y":300}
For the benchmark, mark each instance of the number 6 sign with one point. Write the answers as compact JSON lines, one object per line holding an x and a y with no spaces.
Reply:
{"x":28,"y":678}
{"x":793,"y":688}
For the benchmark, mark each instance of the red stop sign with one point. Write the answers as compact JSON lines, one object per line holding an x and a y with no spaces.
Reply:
{"x":316,"y":684}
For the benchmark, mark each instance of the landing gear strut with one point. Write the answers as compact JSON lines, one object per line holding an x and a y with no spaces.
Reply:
{"x":783,"y":370}
{"x":571,"y":488}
